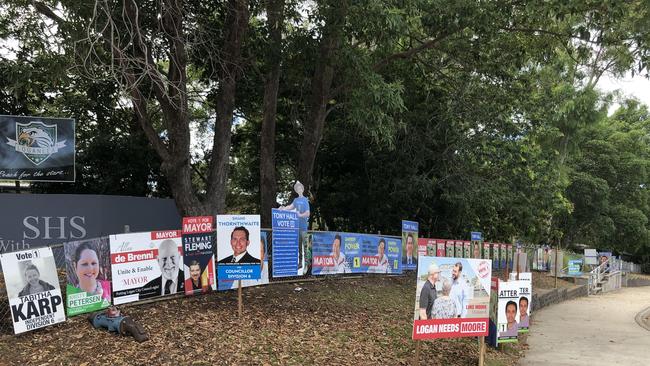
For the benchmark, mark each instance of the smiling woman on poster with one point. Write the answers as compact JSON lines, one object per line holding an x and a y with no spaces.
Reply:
{"x":34,"y":283}
{"x":382,"y":266}
{"x":86,"y":264}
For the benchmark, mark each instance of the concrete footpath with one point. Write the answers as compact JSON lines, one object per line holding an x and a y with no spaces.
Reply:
{"x":595,"y":330}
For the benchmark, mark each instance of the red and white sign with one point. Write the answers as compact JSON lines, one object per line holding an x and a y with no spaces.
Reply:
{"x":198,"y":224}
{"x":450,"y":328}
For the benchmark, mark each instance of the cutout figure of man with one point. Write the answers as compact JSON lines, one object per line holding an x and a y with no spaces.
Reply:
{"x":239,"y":242}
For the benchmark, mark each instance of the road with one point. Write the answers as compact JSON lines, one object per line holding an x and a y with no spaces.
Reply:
{"x":595,"y":330}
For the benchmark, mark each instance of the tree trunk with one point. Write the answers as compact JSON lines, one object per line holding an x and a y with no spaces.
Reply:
{"x":268,"y":180}
{"x":321,"y":88}
{"x":236,"y":25}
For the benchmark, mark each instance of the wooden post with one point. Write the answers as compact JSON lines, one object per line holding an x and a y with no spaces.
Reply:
{"x":416,"y":359}
{"x":481,"y":350}
{"x":240,"y":305}
{"x":507,"y":264}
{"x":555,"y":264}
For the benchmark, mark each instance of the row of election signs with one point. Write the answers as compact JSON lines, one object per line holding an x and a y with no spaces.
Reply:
{"x":499,"y":253}
{"x":130,"y":267}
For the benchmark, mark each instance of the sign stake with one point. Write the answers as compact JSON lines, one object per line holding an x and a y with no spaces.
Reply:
{"x":240,"y":304}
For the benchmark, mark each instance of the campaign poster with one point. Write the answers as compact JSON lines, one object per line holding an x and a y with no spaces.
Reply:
{"x":238,"y":256}
{"x":494,"y":308}
{"x":440,"y":251}
{"x":37,"y":149}
{"x":32,"y":289}
{"x":575,"y":267}
{"x":410,"y":230}
{"x":450,"y":248}
{"x":286,"y":243}
{"x":486,"y":250}
{"x":198,"y":255}
{"x":459,"y":249}
{"x":503,"y":254}
{"x":224,"y":285}
{"x":393,"y":250}
{"x":467,"y":249}
{"x":329,"y":255}
{"x":605,"y":260}
{"x":452,"y":298}
{"x":510,"y":253}
{"x":508,"y":311}
{"x":495,"y":256}
{"x":88,"y":272}
{"x":426,"y":246}
{"x":146,"y":264}
{"x":475,"y":247}
{"x":378,"y":254}
{"x":525,"y":295}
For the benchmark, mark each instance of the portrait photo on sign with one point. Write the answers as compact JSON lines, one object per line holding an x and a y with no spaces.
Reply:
{"x":88,"y":272}
{"x":30,"y":276}
{"x":409,"y":249}
{"x":238,"y":239}
{"x":88,"y":266}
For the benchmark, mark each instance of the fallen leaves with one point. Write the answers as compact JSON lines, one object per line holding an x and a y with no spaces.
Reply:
{"x":339,"y":321}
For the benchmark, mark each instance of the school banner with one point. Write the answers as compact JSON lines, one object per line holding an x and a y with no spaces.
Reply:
{"x":452,"y":298}
{"x":238,"y":255}
{"x":37,"y":149}
{"x":198,"y":254}
{"x":88,"y":270}
{"x":508,"y":314}
{"x":224,"y":285}
{"x":33,"y":289}
{"x":146,"y":265}
{"x":410,"y":230}
{"x":286,"y":243}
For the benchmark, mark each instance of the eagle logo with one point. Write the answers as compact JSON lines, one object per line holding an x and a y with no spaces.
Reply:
{"x":36,"y":141}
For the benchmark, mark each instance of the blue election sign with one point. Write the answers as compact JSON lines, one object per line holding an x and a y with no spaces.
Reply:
{"x":411,"y":226}
{"x":285,"y":225}
{"x":477,"y":235}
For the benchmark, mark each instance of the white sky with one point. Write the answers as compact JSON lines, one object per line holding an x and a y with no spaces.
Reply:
{"x":637,"y":87}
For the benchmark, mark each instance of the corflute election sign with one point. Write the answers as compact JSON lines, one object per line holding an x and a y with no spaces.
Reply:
{"x":33,"y":289}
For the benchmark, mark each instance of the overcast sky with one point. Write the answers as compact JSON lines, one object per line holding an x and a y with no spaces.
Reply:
{"x":638,"y":87}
